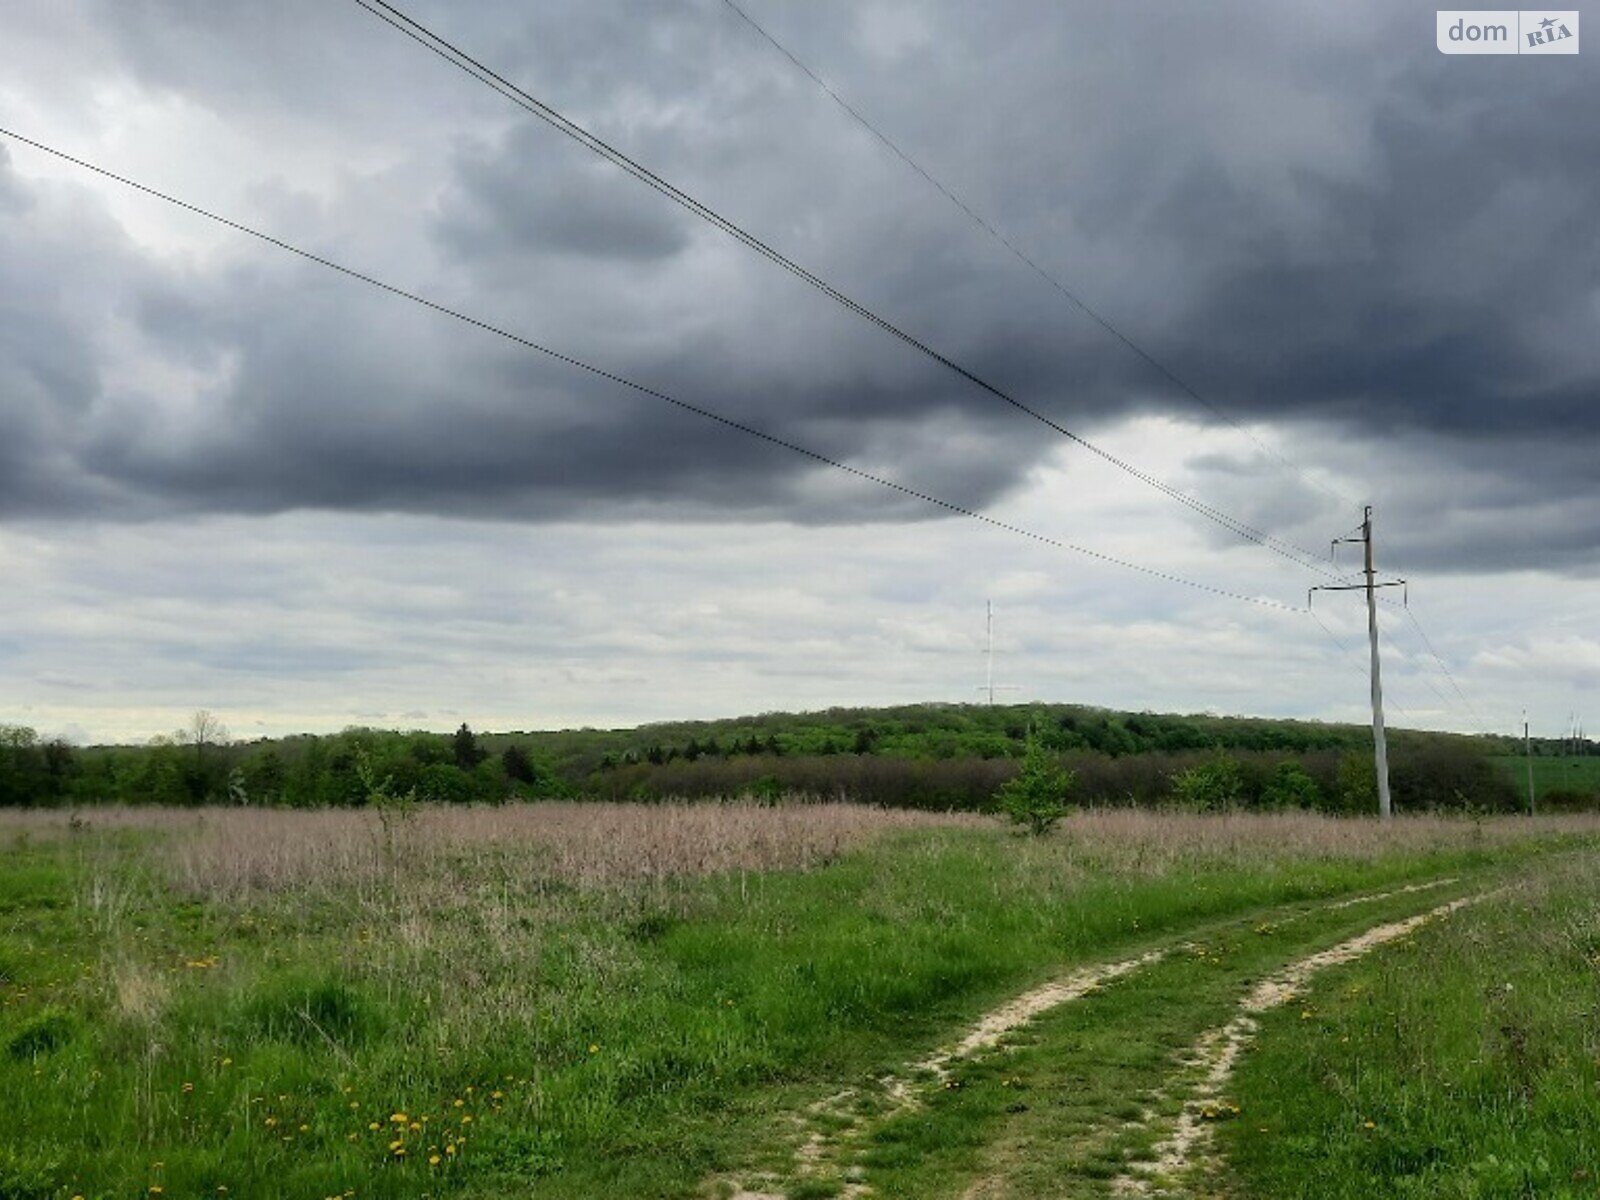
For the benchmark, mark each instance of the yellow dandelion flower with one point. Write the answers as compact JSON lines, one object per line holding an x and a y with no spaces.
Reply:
{"x":434,"y":1160}
{"x":593,"y":1049}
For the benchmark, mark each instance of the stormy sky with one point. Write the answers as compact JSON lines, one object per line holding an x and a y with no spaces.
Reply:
{"x":232,"y":479}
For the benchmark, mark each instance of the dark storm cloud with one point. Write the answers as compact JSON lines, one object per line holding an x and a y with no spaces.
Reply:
{"x":406,"y":414}
{"x":509,"y":200}
{"x":1309,"y":213}
{"x":1454,"y":289}
{"x":50,"y":304}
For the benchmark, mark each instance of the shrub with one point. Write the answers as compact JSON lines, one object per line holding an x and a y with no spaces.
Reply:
{"x":1291,"y":787}
{"x":1217,"y":783}
{"x":1356,"y":790}
{"x":1037,"y":795}
{"x":1560,"y":800}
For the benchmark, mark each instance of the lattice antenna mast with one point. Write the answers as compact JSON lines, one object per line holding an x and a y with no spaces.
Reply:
{"x":989,"y":687}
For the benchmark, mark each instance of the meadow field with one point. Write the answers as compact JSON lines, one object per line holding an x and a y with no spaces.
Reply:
{"x":794,"y":1000}
{"x":1559,"y":779}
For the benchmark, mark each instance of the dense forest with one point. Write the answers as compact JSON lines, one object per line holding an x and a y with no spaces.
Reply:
{"x":926,"y":756}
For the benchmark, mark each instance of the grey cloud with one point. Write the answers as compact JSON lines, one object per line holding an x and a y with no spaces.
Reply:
{"x":509,"y":198}
{"x":1311,"y":215}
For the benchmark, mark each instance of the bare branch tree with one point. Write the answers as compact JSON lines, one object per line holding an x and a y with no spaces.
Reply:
{"x":204,"y":729}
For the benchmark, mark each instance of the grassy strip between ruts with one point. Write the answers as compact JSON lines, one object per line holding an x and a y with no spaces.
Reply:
{"x":1091,"y":1088}
{"x":473,"y":1026}
{"x":1461,"y":1063}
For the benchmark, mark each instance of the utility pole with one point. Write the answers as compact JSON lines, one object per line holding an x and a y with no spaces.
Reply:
{"x":1380,"y":742}
{"x":1527,"y":754}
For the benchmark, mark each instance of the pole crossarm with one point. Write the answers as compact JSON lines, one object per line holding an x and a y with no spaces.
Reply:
{"x":1359,"y":587}
{"x":1370,"y":585}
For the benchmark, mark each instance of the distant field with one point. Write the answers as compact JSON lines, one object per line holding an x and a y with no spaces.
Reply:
{"x":565,"y":1000}
{"x":1580,"y":774}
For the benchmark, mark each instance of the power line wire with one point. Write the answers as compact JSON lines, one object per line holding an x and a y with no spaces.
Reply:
{"x":1098,"y":318}
{"x":643,"y":389}
{"x":1348,"y":650}
{"x":465,"y":62}
{"x":1448,"y":674}
{"x":1027,"y":260}
{"x":1467,"y":709}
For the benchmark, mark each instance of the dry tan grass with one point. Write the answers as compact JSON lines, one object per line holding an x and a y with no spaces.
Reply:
{"x":141,"y":991}
{"x":230,"y":851}
{"x":234,"y":852}
{"x":1150,"y":842}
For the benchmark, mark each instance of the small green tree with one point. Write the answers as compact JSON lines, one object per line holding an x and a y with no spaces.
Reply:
{"x":1291,"y":787}
{"x":467,"y":751}
{"x":1357,"y":785}
{"x":1036,"y":796}
{"x":1210,"y":786}
{"x":394,"y":809}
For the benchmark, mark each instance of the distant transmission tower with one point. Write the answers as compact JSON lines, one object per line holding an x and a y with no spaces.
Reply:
{"x":989,"y":686}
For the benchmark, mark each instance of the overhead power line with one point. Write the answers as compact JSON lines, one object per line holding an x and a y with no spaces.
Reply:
{"x":465,"y":62}
{"x":1104,"y":323}
{"x":1448,"y":674}
{"x":1028,"y":260}
{"x":1347,"y":649}
{"x":643,"y":389}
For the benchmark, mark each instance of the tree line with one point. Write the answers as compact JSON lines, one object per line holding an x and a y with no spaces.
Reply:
{"x":199,"y":765}
{"x":923,"y":756}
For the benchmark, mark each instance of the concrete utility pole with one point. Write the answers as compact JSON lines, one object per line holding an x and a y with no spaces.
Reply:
{"x":1380,"y":742}
{"x":1527,"y":755}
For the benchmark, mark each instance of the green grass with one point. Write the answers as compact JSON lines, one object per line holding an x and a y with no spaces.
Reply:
{"x":548,"y":1037}
{"x":1086,"y":1091}
{"x":1563,"y":772}
{"x":1462,"y":1063}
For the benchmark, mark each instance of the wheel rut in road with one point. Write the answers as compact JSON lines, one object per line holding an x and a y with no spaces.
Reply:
{"x":828,"y":1135}
{"x":1185,"y":1155}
